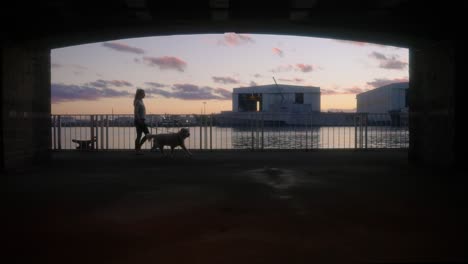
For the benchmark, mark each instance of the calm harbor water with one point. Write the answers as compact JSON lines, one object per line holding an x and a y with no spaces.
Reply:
{"x":217,"y":138}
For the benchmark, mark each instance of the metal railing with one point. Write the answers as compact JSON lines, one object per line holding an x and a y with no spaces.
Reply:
{"x":254,"y":131}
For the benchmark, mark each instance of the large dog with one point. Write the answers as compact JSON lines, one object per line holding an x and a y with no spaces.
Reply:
{"x":172,"y":140}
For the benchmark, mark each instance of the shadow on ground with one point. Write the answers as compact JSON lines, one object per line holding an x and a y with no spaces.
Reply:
{"x":236,"y":207}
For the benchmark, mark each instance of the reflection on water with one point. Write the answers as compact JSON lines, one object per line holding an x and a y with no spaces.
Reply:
{"x":244,"y":138}
{"x":321,"y":138}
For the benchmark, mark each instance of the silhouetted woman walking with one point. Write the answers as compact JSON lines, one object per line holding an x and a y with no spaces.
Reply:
{"x":140,"y":115}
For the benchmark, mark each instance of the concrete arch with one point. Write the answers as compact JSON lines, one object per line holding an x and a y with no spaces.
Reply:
{"x":436,"y":57}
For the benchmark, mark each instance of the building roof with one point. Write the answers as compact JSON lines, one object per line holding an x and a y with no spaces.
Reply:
{"x":280,"y":88}
{"x":399,"y":85}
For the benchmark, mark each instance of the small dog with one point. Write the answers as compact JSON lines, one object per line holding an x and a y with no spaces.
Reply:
{"x":171,"y":139}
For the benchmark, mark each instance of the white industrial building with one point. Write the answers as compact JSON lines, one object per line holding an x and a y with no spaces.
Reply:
{"x":273,"y":104}
{"x":276,"y":98}
{"x":391,"y":98}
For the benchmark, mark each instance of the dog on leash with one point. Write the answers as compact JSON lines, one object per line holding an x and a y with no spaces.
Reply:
{"x":172,"y":140}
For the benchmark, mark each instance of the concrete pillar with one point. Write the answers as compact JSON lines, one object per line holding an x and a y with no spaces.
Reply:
{"x":432,"y":104}
{"x":25,"y":111}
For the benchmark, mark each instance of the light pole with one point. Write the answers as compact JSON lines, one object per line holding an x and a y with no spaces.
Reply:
{"x":204,"y":108}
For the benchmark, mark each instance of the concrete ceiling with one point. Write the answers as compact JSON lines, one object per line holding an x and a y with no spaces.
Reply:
{"x":58,"y":23}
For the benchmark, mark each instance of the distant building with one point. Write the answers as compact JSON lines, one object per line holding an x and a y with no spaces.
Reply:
{"x":276,"y":98}
{"x":391,"y":98}
{"x":273,"y":104}
{"x":387,"y":105}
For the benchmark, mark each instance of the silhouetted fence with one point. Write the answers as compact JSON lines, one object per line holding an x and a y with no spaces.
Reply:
{"x":255,"y":131}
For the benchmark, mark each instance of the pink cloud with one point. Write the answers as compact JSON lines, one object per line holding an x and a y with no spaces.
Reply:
{"x":305,"y":67}
{"x":166,"y":63}
{"x":294,"y":80}
{"x":225,"y":80}
{"x":353,"y":90}
{"x":388,"y":62}
{"x":67,"y":93}
{"x":233,"y":39}
{"x":155,"y":84}
{"x":189,"y":91}
{"x":337,"y":91}
{"x":104,"y":83}
{"x":378,"y":55}
{"x":283,"y":68}
{"x":120,"y":83}
{"x":222,"y":93}
{"x":278,"y":52}
{"x":381,"y":82}
{"x":393,"y":64}
{"x":298,"y":67}
{"x":122,"y":47}
{"x":328,"y":92}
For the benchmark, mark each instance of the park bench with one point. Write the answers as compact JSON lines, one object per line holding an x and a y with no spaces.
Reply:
{"x":85,"y":144}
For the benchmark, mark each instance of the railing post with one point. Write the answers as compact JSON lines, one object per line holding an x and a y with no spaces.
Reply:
{"x":365,"y":123}
{"x":251,"y":133}
{"x":201,"y":132}
{"x":206,"y":131}
{"x":107,"y":132}
{"x":156,"y":125}
{"x":361,"y":143}
{"x":355,"y":131}
{"x":211,"y":132}
{"x":91,"y":120}
{"x":306,"y":119}
{"x":309,"y":119}
{"x":59,"y":138}
{"x":102,"y":131}
{"x":54,"y":134}
{"x":263,"y":126}
{"x":256,"y":131}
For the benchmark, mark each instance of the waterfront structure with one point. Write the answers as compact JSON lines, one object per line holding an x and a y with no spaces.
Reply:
{"x":278,"y":104}
{"x":276,"y":98}
{"x":391,"y":98}
{"x":387,"y":104}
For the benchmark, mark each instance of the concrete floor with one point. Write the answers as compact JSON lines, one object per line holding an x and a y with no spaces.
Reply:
{"x":236,"y":207}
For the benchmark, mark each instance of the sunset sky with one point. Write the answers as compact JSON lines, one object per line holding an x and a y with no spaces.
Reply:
{"x":180,"y":72}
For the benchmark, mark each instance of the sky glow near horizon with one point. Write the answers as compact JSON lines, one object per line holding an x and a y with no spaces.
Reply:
{"x":181,"y":72}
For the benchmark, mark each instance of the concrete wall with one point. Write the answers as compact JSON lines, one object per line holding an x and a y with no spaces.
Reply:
{"x":25,"y":111}
{"x":432,"y":104}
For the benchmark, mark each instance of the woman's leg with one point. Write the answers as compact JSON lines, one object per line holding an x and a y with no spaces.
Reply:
{"x":146,"y":131}
{"x":138,"y":138}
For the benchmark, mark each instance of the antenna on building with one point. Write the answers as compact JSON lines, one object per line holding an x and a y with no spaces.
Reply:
{"x":280,"y":92}
{"x":275,"y":81}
